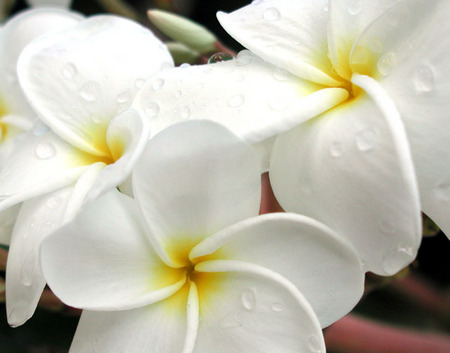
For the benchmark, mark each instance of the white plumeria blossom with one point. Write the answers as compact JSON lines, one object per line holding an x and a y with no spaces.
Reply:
{"x":187,"y":266}
{"x":357,"y":93}
{"x":81,"y":83}
{"x":16,"y":116}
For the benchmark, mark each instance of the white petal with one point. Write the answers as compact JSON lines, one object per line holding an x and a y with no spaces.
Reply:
{"x":24,"y":279}
{"x":348,"y":18}
{"x":40,"y":164}
{"x":247,"y":308}
{"x":127,"y":137}
{"x":7,"y":220}
{"x":194,"y":179}
{"x":415,"y":33}
{"x":252,"y":98}
{"x":18,"y":32}
{"x":78,"y":80}
{"x":102,"y":260}
{"x":318,"y":262}
{"x":159,"y":327}
{"x":351,"y":169}
{"x":290,"y":34}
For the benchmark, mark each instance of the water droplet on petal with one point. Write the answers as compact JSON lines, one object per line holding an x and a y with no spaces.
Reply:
{"x":386,"y":63}
{"x":90,"y":91}
{"x":366,"y":140}
{"x":336,"y":149}
{"x":248,"y":299}
{"x":123,"y":98}
{"x":244,"y":57}
{"x":314,"y":345}
{"x":54,"y":202}
{"x":277,"y":307}
{"x":219,"y":57}
{"x":18,"y":313}
{"x":157,"y":84}
{"x":185,"y":65}
{"x":406,"y":250}
{"x":355,"y":8}
{"x":185,"y":112}
{"x":423,"y":79}
{"x":236,"y":101}
{"x":281,"y":74}
{"x":151,"y":109}
{"x":442,"y":191}
{"x":40,"y":129}
{"x":69,"y":71}
{"x":45,"y":150}
{"x":271,"y":14}
{"x":256,"y":2}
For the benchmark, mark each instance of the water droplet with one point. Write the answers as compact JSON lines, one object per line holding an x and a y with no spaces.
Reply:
{"x":45,"y":150}
{"x":185,"y":112}
{"x":386,"y":63}
{"x":271,"y":14}
{"x":355,"y":8}
{"x":423,"y":79}
{"x":54,"y":202}
{"x":151,"y":109}
{"x":277,"y":307}
{"x":278,"y":104}
{"x":219,"y":57}
{"x":236,"y":101}
{"x":123,"y":97}
{"x":394,"y":261}
{"x":365,"y":140}
{"x":248,"y":299}
{"x":90,"y":91}
{"x":314,"y":344}
{"x":139,"y":82}
{"x":69,"y":71}
{"x":442,"y":191}
{"x":18,"y":313}
{"x":407,"y":250}
{"x":178,"y":93}
{"x":157,"y":84}
{"x":185,"y":65}
{"x":244,"y":57}
{"x":40,"y":129}
{"x":26,"y":273}
{"x":281,"y":74}
{"x":336,"y":149}
{"x":256,"y":2}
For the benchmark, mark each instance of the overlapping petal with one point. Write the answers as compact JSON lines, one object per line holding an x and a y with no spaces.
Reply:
{"x":252,"y":98}
{"x":110,"y":266}
{"x":247,"y":308}
{"x":417,"y":82}
{"x":288,"y":34}
{"x":193,"y":180}
{"x":354,"y":159}
{"x":96,"y":69}
{"x":323,"y":267}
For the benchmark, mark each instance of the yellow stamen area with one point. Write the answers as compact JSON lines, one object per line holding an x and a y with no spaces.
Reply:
{"x":3,"y":126}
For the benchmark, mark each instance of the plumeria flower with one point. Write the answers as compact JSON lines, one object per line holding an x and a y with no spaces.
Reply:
{"x":16,"y":115}
{"x":187,"y":266}
{"x":356,"y":94}
{"x":81,"y":83}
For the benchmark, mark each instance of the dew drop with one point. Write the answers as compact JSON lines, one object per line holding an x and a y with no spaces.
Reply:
{"x":314,"y":344}
{"x":236,"y":101}
{"x":139,"y":82}
{"x":271,"y":14}
{"x":386,"y":63}
{"x":45,"y":150}
{"x":219,"y":57}
{"x":442,"y":191}
{"x":248,"y":299}
{"x":123,"y":98}
{"x":365,"y":140}
{"x":185,"y":65}
{"x":277,"y":307}
{"x":157,"y":84}
{"x":18,"y":313}
{"x":280,"y":74}
{"x":256,"y":2}
{"x":336,"y":149}
{"x":54,"y":202}
{"x":90,"y":91}
{"x":423,"y":79}
{"x":151,"y":109}
{"x":40,"y":129}
{"x":184,"y":112}
{"x":244,"y":57}
{"x":26,"y":273}
{"x":355,"y":8}
{"x":69,"y":71}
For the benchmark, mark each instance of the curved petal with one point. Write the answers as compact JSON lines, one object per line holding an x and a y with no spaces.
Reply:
{"x":40,"y":163}
{"x":252,"y":98}
{"x":78,"y":80}
{"x":159,"y":327}
{"x":127,"y":137}
{"x":247,"y":308}
{"x":289,"y":34}
{"x":24,"y":279}
{"x":324,"y":267}
{"x":7,"y":220}
{"x":351,"y":169}
{"x":420,"y":87}
{"x":102,"y":260}
{"x":18,"y":32}
{"x":194,"y":179}
{"x":347,"y":20}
